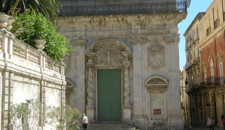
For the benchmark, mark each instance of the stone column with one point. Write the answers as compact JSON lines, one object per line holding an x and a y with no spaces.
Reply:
{"x":127,"y":89}
{"x":90,"y":89}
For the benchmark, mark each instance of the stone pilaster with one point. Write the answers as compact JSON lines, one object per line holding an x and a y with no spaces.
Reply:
{"x":90,"y":89}
{"x":127,"y":89}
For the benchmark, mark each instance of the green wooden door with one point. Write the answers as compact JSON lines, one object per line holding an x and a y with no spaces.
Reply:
{"x":109,"y":94}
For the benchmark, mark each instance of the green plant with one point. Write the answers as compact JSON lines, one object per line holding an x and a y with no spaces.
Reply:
{"x":49,"y":8}
{"x":65,"y":117}
{"x":31,"y":25}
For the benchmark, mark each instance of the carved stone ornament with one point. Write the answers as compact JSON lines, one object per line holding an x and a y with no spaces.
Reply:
{"x":156,"y":56}
{"x":138,"y":39}
{"x":156,"y":84}
{"x":109,"y":53}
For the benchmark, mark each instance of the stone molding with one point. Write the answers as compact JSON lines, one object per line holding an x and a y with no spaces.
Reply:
{"x":156,"y":84}
{"x":118,"y":22}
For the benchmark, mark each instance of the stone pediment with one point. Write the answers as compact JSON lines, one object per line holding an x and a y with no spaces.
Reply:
{"x":156,"y":84}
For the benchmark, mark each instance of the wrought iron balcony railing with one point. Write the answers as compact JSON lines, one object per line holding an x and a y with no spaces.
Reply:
{"x":202,"y":84}
{"x":221,"y":81}
{"x":142,"y":8}
{"x":212,"y":81}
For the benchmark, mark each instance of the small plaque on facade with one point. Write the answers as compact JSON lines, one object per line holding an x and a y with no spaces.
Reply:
{"x":157,"y":111}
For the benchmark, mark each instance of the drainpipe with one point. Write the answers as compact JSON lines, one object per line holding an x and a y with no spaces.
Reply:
{"x":215,"y":56}
{"x":222,"y":10}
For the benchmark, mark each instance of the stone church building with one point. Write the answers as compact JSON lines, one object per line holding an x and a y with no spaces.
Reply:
{"x":125,"y":66}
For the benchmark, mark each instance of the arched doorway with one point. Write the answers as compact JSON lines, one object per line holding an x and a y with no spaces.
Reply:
{"x":108,"y":64}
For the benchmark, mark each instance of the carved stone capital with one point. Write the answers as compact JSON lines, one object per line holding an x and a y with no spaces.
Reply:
{"x":126,"y":64}
{"x":138,"y":39}
{"x":90,"y":64}
{"x":90,"y":56}
{"x":79,"y":40}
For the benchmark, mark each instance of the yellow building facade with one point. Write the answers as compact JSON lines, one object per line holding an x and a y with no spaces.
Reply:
{"x":205,"y":70}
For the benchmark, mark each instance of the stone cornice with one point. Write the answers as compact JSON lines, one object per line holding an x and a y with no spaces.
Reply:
{"x":121,"y":22}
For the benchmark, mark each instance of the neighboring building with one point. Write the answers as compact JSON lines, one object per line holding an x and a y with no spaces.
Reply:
{"x":193,"y":68}
{"x":126,"y":65}
{"x":184,"y":99}
{"x":207,"y":98}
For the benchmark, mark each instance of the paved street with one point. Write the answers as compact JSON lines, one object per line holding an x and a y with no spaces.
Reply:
{"x":203,"y":128}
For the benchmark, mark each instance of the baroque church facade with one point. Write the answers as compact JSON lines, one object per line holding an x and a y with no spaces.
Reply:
{"x":125,"y":66}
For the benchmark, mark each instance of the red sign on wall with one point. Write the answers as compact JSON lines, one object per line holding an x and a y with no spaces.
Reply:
{"x":157,"y":111}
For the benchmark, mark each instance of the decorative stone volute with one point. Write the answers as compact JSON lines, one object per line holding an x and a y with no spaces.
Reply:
{"x":156,"y":84}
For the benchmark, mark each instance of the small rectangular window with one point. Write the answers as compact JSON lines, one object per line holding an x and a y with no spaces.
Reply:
{"x":208,"y":31}
{"x":221,"y":69}
{"x":216,"y":23}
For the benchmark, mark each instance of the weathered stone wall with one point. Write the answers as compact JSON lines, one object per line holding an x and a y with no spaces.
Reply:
{"x":151,"y":43}
{"x":27,"y":73}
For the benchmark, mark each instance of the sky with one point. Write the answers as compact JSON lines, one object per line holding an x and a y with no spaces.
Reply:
{"x":195,"y":7}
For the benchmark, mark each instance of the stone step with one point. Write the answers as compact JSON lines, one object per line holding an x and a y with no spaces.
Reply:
{"x":110,"y":126}
{"x":105,"y":128}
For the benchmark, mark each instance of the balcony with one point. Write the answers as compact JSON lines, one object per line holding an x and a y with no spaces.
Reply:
{"x":187,"y":65}
{"x":195,"y":60}
{"x":212,"y":81}
{"x":221,"y":81}
{"x":196,"y":38}
{"x":203,"y":84}
{"x":192,"y":62}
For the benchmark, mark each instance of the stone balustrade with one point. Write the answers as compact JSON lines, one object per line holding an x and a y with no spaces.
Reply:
{"x":27,"y":73}
{"x":13,"y":49}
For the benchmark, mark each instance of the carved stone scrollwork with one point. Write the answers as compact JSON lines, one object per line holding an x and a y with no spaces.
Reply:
{"x":108,"y":53}
{"x":138,"y":39}
{"x":156,"y":84}
{"x":127,"y":90}
{"x":90,"y":88}
{"x":156,"y":53}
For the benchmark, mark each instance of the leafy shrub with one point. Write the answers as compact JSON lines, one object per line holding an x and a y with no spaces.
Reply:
{"x":25,"y":115}
{"x":60,"y":117}
{"x":69,"y":119}
{"x":31,"y":25}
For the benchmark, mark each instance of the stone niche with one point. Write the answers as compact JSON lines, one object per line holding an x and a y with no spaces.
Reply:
{"x":156,"y":84}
